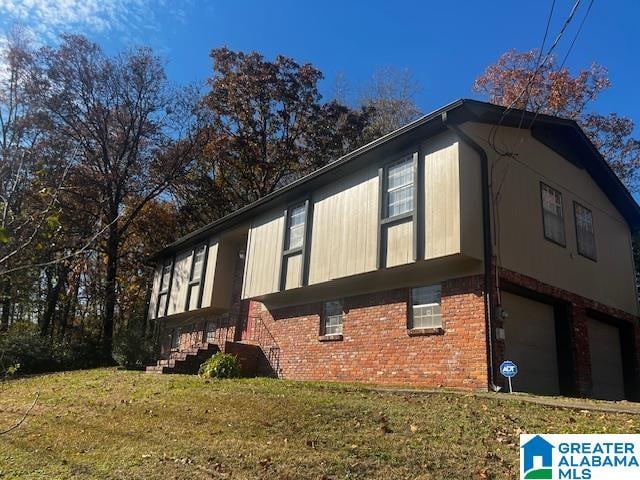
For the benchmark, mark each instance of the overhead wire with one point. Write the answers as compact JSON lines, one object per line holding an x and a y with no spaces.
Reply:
{"x":494,"y":132}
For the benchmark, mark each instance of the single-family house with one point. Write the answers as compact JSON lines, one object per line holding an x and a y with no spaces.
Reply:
{"x":473,"y":235}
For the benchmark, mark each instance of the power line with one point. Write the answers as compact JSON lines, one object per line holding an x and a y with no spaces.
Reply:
{"x":577,"y":33}
{"x":494,"y":132}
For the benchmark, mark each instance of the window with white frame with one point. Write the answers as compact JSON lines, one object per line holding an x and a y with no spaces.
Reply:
{"x":165,"y":286}
{"x":585,"y":232}
{"x":295,"y":230}
{"x":195,"y":277}
{"x":425,"y":307}
{"x":552,"y":214}
{"x":333,"y":318}
{"x":399,"y":187}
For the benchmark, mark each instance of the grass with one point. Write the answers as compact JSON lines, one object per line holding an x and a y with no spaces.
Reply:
{"x":112,"y":424}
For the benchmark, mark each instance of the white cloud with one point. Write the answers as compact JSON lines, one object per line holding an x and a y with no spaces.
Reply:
{"x":128,"y":19}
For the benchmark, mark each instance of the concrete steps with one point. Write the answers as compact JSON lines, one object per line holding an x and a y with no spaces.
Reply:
{"x":185,"y":361}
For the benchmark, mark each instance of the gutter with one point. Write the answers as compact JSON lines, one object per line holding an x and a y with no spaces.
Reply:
{"x":243,"y":213}
{"x":487,"y":240}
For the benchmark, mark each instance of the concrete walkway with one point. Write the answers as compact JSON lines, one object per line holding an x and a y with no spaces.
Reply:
{"x":559,"y":402}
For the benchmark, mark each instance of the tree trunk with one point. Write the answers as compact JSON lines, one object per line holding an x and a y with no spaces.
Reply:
{"x":53,"y":296}
{"x":6,"y":305}
{"x":113,"y":244}
{"x":72,"y":299}
{"x":45,"y":319}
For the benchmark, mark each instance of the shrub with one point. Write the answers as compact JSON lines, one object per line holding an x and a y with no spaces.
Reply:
{"x":221,"y":365}
{"x":23,"y":344}
{"x":133,"y":350}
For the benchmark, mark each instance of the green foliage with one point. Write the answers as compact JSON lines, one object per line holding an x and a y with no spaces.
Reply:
{"x":4,"y":235}
{"x":221,"y":365}
{"x":132,"y":349}
{"x":23,"y":345}
{"x":12,"y":369}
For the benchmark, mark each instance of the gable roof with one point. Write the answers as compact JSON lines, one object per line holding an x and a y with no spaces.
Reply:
{"x":562,"y":135}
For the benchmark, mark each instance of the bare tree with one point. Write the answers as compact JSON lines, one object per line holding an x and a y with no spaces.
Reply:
{"x":391,"y":94}
{"x":131,"y":130}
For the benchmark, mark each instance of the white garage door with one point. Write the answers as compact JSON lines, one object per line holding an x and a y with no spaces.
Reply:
{"x":530,"y":342}
{"x":606,"y":360}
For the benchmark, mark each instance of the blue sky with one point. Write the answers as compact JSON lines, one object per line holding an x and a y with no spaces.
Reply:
{"x":444,"y":44}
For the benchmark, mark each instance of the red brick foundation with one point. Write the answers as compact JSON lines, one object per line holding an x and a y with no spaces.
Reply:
{"x":376,"y":346}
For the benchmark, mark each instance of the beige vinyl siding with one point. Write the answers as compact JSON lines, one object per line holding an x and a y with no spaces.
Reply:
{"x":153,"y":301}
{"x":344,"y":229}
{"x":521,"y":246}
{"x":224,"y":275}
{"x":471,"y":228}
{"x":178,"y":294}
{"x":292,"y":270}
{"x":441,"y":196}
{"x":209,"y":276}
{"x":264,"y":252}
{"x":344,"y":224}
{"x":400,"y":244}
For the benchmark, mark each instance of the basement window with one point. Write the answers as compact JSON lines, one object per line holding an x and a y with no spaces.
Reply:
{"x":425,"y":308}
{"x":552,"y":214}
{"x":585,"y":233}
{"x":332,"y":318}
{"x":175,"y":338}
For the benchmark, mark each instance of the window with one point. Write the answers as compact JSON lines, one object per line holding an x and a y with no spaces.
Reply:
{"x":165,"y":286}
{"x":585,"y":233}
{"x":175,"y":338}
{"x":295,"y":230}
{"x":333,"y":318}
{"x":425,"y":307}
{"x":552,"y":214}
{"x":195,"y":277}
{"x":211,"y":329}
{"x":399,"y":183}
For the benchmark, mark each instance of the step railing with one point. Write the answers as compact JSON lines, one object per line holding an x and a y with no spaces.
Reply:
{"x":260,"y":334}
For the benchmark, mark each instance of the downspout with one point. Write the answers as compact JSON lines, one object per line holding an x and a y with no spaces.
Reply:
{"x":487,"y":240}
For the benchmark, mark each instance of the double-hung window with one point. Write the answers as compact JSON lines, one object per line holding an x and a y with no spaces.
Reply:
{"x":165,"y":287}
{"x":195,"y":277}
{"x":425,"y":307}
{"x":333,"y":318}
{"x":399,"y":187}
{"x":552,"y":214}
{"x":295,"y":227}
{"x":585,"y":232}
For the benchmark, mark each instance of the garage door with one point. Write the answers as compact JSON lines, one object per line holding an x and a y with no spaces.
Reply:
{"x":530,"y":342}
{"x":606,"y":360}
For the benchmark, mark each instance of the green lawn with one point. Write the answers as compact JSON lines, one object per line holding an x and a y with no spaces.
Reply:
{"x":115,"y":424}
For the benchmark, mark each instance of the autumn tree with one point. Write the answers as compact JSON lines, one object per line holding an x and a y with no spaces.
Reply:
{"x":123,"y":119}
{"x":33,"y":167}
{"x":267,"y":125}
{"x":391,"y":95}
{"x":521,"y":80}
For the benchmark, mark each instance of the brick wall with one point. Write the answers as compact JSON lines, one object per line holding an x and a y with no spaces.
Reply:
{"x":376,"y":345}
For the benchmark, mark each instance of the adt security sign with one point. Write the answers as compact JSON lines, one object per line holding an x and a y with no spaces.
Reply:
{"x":509,"y":370}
